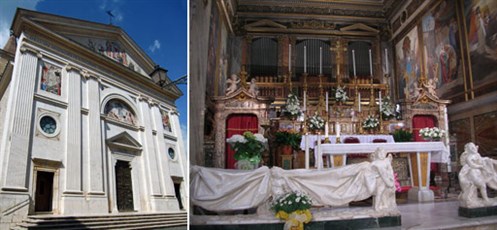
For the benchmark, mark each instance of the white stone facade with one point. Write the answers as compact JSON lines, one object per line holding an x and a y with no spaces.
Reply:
{"x":79,"y":151}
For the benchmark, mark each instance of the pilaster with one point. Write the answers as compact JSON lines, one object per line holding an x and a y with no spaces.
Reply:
{"x":18,"y":150}
{"x":73,"y":146}
{"x":95,"y":157}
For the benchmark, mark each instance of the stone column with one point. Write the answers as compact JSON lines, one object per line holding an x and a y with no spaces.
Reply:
{"x":21,"y":105}
{"x":95,"y":156}
{"x":73,"y":145}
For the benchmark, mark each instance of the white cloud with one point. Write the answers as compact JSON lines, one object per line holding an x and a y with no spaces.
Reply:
{"x":154,"y":46}
{"x":7,"y":12}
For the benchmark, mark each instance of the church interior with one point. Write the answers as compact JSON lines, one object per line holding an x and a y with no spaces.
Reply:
{"x":345,"y":72}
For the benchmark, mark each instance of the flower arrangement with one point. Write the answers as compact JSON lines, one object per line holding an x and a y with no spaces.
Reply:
{"x":387,"y":109}
{"x":402,"y":135}
{"x":288,"y":137}
{"x":370,"y":122}
{"x":248,"y":146}
{"x":316,"y":122}
{"x":292,"y":108}
{"x":431,"y":133}
{"x":341,"y":94}
{"x":294,"y":208}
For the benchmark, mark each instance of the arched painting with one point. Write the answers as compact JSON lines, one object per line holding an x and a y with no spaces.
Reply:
{"x":119,"y":110}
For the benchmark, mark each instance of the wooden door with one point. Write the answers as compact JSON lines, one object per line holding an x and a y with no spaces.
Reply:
{"x":44,"y":191}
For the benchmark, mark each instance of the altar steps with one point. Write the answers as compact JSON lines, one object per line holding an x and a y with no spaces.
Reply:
{"x":111,"y":221}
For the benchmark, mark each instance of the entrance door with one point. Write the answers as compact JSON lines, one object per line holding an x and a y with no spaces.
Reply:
{"x":124,"y":187}
{"x":178,"y":194}
{"x":44,"y":191}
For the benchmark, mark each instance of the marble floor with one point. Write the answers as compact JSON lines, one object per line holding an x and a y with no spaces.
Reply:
{"x":440,"y":215}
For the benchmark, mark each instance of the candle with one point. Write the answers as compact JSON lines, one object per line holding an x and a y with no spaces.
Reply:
{"x":338,"y":128}
{"x":386,"y":61}
{"x":353,"y":61}
{"x":305,"y":59}
{"x":359,"y":102}
{"x":305,"y":101}
{"x":370,"y":64}
{"x":379,"y":96}
{"x":326,"y":101}
{"x":320,"y":60}
{"x":326,"y":130}
{"x":289,"y":57}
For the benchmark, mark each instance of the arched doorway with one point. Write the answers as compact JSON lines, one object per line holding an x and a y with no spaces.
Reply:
{"x":238,"y":124}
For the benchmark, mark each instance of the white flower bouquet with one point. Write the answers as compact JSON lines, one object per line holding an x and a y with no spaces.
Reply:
{"x":431,"y":133}
{"x":294,"y":209}
{"x":387,"y":109}
{"x":316,"y":122}
{"x":341,"y":94}
{"x":292,"y":108}
{"x":371,"y":122}
{"x":248,"y":146}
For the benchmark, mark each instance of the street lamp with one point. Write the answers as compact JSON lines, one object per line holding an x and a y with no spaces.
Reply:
{"x":159,"y":76}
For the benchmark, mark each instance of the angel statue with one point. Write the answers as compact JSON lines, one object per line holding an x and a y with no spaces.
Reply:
{"x":232,"y":84}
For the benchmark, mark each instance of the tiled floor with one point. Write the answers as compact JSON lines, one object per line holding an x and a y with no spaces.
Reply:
{"x":441,"y":215}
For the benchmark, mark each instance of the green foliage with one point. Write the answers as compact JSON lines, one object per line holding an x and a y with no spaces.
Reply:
{"x":288,"y":138}
{"x":291,"y":202}
{"x":248,"y":146}
{"x":402,"y":135}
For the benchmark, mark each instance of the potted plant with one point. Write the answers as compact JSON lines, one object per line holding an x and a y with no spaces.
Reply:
{"x":387,"y":109}
{"x":248,"y":149}
{"x":288,"y":140}
{"x":402,"y":135}
{"x":294,"y":208}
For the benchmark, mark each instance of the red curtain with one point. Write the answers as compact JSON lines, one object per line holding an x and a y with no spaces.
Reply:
{"x":238,"y":124}
{"x":423,"y":121}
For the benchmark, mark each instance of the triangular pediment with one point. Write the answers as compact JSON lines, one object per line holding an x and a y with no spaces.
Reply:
{"x":359,"y":27}
{"x":108,"y":43}
{"x":124,"y":141}
{"x":265,"y":23}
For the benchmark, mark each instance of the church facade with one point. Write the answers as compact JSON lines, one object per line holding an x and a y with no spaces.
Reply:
{"x":84,"y":128}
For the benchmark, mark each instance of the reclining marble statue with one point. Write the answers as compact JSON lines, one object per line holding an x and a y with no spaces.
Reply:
{"x":224,"y":190}
{"x":476,"y":174}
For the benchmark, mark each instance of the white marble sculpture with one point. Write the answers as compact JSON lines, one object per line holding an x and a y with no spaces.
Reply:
{"x":476,"y":174}
{"x":232,"y":84}
{"x":253,"y":88}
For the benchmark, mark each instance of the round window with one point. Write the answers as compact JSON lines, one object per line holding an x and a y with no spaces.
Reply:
{"x":171,"y":153}
{"x":48,"y":125}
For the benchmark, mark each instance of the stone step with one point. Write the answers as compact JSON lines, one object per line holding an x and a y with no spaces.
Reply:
{"x":108,"y":225}
{"x":111,"y":221}
{"x":101,"y":219}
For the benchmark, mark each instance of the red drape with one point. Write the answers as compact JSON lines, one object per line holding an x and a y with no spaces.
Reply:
{"x":238,"y":124}
{"x":423,"y":121}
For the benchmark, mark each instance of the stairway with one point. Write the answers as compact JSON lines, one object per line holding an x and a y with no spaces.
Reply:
{"x":109,"y":221}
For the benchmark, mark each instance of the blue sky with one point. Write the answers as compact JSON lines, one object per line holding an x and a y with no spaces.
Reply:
{"x":159,"y":27}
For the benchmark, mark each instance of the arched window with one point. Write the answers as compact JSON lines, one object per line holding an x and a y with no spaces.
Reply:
{"x":119,"y":110}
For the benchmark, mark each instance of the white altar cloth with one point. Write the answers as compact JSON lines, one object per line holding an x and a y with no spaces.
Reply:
{"x":439,"y":152}
{"x":362,"y":138}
